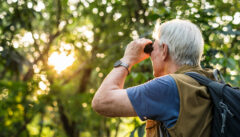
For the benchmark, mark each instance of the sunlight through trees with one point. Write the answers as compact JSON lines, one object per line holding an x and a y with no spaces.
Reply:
{"x":54,"y":54}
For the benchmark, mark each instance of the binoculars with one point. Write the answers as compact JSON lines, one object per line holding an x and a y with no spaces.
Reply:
{"x":148,"y":48}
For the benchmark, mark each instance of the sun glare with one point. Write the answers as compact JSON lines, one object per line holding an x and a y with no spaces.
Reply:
{"x":60,"y":61}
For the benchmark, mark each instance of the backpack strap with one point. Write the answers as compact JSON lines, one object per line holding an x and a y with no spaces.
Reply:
{"x":218,"y":94}
{"x":200,"y":78}
{"x":162,"y":130}
{"x":218,"y":76}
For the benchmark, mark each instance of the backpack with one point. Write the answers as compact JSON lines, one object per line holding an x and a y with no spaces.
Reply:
{"x":226,"y":105}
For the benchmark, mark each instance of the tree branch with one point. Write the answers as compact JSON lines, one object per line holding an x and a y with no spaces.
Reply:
{"x":59,"y":13}
{"x":52,"y":37}
{"x":80,"y":68}
{"x":70,"y":128}
{"x":29,"y":74}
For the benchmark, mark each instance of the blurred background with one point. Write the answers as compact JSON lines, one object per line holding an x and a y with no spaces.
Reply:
{"x":55,"y":53}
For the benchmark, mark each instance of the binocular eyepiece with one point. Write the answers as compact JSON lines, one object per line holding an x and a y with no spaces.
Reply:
{"x":148,"y":48}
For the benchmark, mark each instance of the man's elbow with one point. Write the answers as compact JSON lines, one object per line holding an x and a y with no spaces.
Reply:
{"x":95,"y":105}
{"x":100,"y":106}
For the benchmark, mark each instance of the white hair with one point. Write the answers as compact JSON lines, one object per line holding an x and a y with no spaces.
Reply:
{"x":184,"y":41}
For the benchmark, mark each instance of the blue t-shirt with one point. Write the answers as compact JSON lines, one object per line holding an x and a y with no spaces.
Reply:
{"x":157,"y":99}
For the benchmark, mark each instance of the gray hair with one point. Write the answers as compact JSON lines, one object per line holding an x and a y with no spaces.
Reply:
{"x":184,"y":40}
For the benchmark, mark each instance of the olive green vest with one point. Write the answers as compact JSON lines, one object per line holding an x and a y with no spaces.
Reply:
{"x":195,"y":114}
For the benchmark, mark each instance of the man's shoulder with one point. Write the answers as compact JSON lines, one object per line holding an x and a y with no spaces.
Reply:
{"x":167,"y":79}
{"x":184,"y":79}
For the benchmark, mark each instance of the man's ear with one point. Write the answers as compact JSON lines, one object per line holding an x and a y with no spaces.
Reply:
{"x":165,"y":51}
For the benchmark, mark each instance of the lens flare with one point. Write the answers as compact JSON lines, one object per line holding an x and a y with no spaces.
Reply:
{"x":60,"y":61}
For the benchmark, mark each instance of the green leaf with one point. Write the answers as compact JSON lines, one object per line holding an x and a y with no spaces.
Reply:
{"x":132,"y":133}
{"x":141,"y":130}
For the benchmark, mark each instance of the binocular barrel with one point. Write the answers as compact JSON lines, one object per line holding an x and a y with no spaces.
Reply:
{"x":148,"y":48}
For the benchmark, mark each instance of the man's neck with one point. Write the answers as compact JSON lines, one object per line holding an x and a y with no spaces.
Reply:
{"x":170,"y":68}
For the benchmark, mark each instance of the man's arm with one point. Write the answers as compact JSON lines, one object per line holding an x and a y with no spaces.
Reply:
{"x":111,"y":99}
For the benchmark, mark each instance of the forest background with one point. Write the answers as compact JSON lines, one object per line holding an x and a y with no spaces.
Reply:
{"x":55,"y":53}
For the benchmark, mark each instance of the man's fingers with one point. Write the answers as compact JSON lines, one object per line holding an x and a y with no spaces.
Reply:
{"x":143,"y":41}
{"x":146,"y":41}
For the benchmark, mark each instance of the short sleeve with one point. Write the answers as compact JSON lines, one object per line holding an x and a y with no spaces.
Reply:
{"x":157,"y":99}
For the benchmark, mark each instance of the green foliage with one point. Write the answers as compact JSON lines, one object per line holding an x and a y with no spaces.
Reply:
{"x":37,"y":99}
{"x":140,"y":131}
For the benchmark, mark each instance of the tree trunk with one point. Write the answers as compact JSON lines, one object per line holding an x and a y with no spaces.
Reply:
{"x":69,"y":127}
{"x":84,"y":80}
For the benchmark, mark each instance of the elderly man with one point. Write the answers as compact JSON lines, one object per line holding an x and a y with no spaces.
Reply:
{"x":172,"y":98}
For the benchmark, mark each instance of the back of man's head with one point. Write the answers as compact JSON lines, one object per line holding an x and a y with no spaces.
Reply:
{"x":184,"y":40}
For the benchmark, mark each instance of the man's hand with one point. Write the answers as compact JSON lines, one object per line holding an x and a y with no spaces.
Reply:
{"x":134,"y":52}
